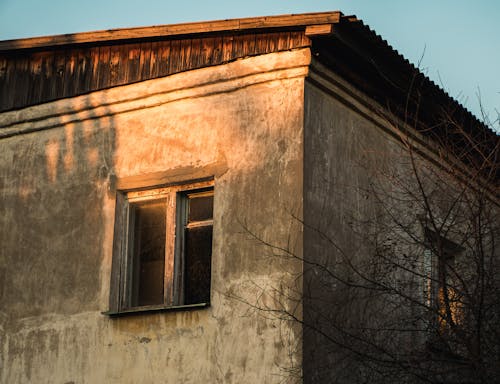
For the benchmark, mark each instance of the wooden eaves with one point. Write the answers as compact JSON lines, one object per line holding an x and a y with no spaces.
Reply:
{"x":267,"y":22}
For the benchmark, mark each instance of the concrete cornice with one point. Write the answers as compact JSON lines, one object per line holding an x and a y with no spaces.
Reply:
{"x":153,"y":93}
{"x":321,"y":77}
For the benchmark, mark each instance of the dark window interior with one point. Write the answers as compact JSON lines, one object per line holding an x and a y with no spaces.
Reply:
{"x":148,"y":252}
{"x":198,"y":249}
{"x":200,"y":208}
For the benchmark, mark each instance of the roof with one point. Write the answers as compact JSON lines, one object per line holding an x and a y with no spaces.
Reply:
{"x":41,"y":69}
{"x":242,"y":24}
{"x":362,"y":57}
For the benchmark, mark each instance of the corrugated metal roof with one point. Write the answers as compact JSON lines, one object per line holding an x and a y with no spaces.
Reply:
{"x":384,"y":43}
{"x":368,"y":62}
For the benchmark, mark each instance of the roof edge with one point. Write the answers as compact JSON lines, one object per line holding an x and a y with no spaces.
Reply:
{"x":264,"y":22}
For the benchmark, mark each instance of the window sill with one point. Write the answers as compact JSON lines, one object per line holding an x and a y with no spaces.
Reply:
{"x":155,"y":308}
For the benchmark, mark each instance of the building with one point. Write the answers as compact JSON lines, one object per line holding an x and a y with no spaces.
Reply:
{"x":150,"y":177}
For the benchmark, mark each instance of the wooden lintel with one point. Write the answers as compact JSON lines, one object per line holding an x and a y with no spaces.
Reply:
{"x":319,"y":29}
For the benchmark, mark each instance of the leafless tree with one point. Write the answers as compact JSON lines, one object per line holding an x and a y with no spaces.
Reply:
{"x":409,"y":290}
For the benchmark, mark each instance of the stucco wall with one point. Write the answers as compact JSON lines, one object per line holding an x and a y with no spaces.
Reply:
{"x":373,"y":188}
{"x":60,"y":166}
{"x":355,"y":172}
{"x":341,"y":149}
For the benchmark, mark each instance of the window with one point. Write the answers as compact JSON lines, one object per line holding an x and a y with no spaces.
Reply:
{"x":162,"y":248}
{"x":442,"y":289}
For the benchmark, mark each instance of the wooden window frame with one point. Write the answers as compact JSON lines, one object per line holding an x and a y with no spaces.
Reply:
{"x":176,"y":197}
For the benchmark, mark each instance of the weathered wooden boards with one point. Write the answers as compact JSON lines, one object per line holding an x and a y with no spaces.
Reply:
{"x":37,"y":76}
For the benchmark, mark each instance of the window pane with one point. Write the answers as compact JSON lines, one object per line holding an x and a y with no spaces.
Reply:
{"x":200,"y":207}
{"x":149,"y":252}
{"x":197,"y":264}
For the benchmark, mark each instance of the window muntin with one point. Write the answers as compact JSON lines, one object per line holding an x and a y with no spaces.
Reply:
{"x":165,"y":256}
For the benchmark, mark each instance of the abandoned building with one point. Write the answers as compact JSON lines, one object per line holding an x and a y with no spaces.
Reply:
{"x":159,"y":185}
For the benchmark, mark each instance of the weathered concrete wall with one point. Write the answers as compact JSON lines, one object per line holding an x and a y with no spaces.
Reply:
{"x":349,"y":155}
{"x":368,"y":200}
{"x":339,"y":146}
{"x":60,"y":165}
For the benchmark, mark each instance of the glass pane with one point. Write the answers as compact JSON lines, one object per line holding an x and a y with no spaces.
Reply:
{"x":149,"y":252}
{"x":200,"y":208}
{"x":198,"y":263}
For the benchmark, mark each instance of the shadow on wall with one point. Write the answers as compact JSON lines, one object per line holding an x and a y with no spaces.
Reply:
{"x":53,"y":190}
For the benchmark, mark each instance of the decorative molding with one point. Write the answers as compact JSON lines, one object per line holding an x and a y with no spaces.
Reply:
{"x":153,"y":93}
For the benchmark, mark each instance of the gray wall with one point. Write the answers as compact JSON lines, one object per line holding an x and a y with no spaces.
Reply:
{"x":369,"y":313}
{"x":339,"y":148}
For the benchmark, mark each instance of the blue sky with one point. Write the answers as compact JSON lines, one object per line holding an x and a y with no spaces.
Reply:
{"x":458,"y":39}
